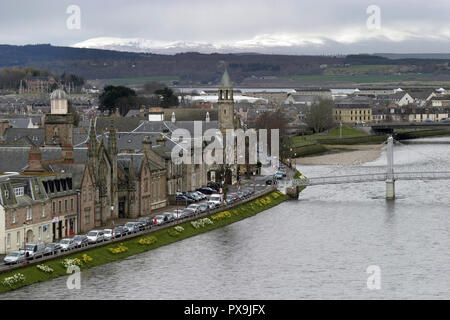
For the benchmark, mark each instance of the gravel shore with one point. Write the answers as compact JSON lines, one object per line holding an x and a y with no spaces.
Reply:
{"x":350,"y":155}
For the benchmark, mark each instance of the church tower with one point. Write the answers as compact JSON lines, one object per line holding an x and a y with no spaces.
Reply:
{"x":112,"y":151}
{"x":59,"y":123}
{"x":225,"y":103}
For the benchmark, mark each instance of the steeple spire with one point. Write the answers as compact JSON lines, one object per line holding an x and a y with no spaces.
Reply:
{"x":226,"y":81}
{"x":92,"y":140}
{"x":112,"y":142}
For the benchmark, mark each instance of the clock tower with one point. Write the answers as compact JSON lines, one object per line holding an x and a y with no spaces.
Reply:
{"x":225,"y":103}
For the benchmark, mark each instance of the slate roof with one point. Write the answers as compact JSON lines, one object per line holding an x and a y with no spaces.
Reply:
{"x":22,"y":122}
{"x":20,"y":156}
{"x":124,"y":161}
{"x":160,"y":126}
{"x":26,"y":137}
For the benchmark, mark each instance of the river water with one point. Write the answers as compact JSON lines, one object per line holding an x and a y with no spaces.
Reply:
{"x":316,"y":248}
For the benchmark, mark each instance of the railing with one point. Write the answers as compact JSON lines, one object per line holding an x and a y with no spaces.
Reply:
{"x":147,"y":230}
{"x":360,"y":178}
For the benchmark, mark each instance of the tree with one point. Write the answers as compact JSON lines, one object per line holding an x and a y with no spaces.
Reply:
{"x":168,"y":98}
{"x":272,"y":120}
{"x":118,"y":96}
{"x":74,"y":112}
{"x":152,"y":86}
{"x":319,"y":117}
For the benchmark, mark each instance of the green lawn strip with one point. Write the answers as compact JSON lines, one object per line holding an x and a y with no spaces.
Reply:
{"x":361,"y":78}
{"x":140,"y":80}
{"x":102,"y":255}
{"x":421,"y":134}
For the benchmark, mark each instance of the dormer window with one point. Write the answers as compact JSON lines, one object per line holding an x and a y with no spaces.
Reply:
{"x":7,"y":193}
{"x":19,"y":191}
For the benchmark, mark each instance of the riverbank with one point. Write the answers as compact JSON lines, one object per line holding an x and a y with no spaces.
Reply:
{"x":353,"y":150}
{"x":343,"y":155}
{"x":122,"y":250}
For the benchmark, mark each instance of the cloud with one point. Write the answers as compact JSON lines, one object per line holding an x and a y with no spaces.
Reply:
{"x":289,"y":25}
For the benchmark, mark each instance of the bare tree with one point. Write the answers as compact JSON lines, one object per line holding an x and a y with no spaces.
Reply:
{"x":319,"y":117}
{"x":273,"y":120}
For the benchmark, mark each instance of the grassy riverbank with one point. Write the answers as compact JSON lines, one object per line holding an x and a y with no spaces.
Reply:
{"x":318,"y":144}
{"x":121,"y":250}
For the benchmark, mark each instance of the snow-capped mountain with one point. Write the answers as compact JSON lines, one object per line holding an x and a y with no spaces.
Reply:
{"x":260,"y":44}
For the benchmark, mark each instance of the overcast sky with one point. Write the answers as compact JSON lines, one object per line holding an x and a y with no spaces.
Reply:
{"x":320,"y":26}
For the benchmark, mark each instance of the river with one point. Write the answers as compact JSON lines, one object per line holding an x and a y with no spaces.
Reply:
{"x":316,"y":248}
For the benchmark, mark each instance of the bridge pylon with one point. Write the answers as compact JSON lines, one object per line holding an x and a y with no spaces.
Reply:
{"x":390,"y":181}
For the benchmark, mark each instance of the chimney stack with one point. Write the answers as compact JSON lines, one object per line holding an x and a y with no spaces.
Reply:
{"x":146,"y":144}
{"x":161,"y":141}
{"x":3,"y":126}
{"x":34,"y":160}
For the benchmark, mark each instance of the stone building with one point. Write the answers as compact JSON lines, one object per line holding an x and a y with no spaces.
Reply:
{"x":24,"y":211}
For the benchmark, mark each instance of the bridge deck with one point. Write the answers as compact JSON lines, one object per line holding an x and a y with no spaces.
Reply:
{"x":360,"y":178}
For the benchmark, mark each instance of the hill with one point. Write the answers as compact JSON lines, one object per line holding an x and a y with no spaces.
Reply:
{"x":196,"y":68}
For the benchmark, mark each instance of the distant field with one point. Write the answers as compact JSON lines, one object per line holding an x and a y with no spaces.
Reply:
{"x":361,"y":78}
{"x":142,"y":80}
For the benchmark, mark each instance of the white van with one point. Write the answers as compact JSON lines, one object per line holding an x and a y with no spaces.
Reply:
{"x":216,"y":198}
{"x":34,"y":250}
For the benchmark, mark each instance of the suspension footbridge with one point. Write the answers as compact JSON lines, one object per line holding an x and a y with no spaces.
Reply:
{"x":389,"y":176}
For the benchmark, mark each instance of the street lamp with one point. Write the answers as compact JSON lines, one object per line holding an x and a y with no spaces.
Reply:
{"x":112,"y":220}
{"x":24,"y":243}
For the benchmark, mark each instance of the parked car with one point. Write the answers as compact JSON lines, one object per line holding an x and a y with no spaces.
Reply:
{"x":34,"y":250}
{"x":201,"y":195}
{"x":168,"y":216}
{"x":52,"y":248}
{"x":159,"y":219}
{"x":188,"y":212}
{"x":229,"y":199}
{"x":206,"y":190}
{"x":247,"y":192}
{"x":214,"y":185}
{"x":67,"y":244}
{"x":15,"y":257}
{"x":132,"y":227}
{"x":194,"y":207}
{"x":270,"y":182}
{"x":234,"y":196}
{"x":177,"y":214}
{"x":108,"y":234}
{"x":146,"y":221}
{"x":119,"y":231}
{"x":203,"y":207}
{"x":184,"y":199}
{"x":211,"y":204}
{"x":141,"y":225}
{"x":216,"y":198}
{"x":96,"y":236}
{"x":193,"y":196}
{"x":278,"y":175}
{"x":240,"y":194}
{"x":81,"y":240}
